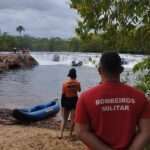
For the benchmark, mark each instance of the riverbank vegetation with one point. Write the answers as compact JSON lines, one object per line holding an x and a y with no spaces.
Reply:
{"x":134,"y":41}
{"x":144,"y":75}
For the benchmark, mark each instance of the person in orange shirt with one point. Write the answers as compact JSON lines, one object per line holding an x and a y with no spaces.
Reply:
{"x":70,"y":90}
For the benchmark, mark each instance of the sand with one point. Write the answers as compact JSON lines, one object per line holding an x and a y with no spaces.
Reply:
{"x":42,"y":135}
{"x":34,"y":138}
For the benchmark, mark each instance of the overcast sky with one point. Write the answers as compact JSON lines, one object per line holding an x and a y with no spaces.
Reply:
{"x":40,"y":18}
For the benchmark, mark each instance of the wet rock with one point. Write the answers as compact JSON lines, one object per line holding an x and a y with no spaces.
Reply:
{"x":77,"y":63}
{"x":6,"y":116}
{"x":124,"y":61}
{"x":3,"y":67}
{"x":16,"y":61}
{"x":56,"y":57}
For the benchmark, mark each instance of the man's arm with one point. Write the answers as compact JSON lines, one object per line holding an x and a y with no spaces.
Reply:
{"x":84,"y":133}
{"x":143,"y":136}
{"x":79,"y":87}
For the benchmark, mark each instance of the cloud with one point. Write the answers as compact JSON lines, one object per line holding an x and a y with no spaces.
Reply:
{"x":47,"y":18}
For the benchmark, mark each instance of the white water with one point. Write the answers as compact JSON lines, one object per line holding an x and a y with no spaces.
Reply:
{"x":65,"y":58}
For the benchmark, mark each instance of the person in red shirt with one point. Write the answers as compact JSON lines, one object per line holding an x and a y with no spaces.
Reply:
{"x":70,"y":90}
{"x":113,"y":115}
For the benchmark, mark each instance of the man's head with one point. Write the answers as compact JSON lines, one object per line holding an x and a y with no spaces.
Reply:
{"x":110,"y":64}
{"x":72,"y":73}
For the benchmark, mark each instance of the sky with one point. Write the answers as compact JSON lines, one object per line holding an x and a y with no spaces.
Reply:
{"x":40,"y":18}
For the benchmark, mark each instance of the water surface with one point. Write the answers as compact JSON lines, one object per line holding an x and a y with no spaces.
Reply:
{"x":26,"y":87}
{"x":43,"y":83}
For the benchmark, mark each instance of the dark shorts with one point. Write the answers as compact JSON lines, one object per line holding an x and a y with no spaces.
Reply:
{"x":69,"y":102}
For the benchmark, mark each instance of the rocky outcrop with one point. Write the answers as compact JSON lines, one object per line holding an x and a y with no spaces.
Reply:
{"x":77,"y":63}
{"x":16,"y":61}
{"x":56,"y":58}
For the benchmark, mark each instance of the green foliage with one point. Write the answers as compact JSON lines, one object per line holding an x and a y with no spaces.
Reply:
{"x":124,"y":25}
{"x":57,"y":44}
{"x":20,"y":29}
{"x":112,"y":40}
{"x":145,"y":64}
{"x":144,"y":67}
{"x":142,"y":38}
{"x":98,"y":15}
{"x":74,"y":44}
{"x":7,"y":42}
{"x":144,"y":85}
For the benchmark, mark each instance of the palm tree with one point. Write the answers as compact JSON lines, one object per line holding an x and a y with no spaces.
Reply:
{"x":20,"y":29}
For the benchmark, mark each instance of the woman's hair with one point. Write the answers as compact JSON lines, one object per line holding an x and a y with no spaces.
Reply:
{"x":111,"y":63}
{"x":72,"y":73}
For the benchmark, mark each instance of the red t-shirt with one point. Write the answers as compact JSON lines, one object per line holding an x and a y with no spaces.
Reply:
{"x":112,"y":110}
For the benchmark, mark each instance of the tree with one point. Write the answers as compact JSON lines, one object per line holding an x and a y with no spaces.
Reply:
{"x":144,"y":68}
{"x":106,"y":15}
{"x":142,"y":38}
{"x":74,"y":44}
{"x":20,"y":29}
{"x":0,"y":32}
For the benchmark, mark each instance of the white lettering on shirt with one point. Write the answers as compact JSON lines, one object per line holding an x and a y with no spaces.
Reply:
{"x":115,"y":104}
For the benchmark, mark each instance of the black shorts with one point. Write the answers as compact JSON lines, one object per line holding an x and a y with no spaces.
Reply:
{"x":69,"y":102}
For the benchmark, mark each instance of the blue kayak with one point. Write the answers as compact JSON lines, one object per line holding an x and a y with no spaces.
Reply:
{"x":37,"y":112}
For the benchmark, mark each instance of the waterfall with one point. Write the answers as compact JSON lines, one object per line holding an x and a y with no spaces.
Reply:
{"x":88,"y":59}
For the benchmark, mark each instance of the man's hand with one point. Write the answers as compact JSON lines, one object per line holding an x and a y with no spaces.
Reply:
{"x":89,"y":138}
{"x":143,"y":136}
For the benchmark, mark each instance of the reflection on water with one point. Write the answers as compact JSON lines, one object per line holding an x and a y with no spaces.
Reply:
{"x":43,"y":83}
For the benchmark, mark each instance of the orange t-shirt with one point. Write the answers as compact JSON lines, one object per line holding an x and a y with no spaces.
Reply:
{"x":71,"y":87}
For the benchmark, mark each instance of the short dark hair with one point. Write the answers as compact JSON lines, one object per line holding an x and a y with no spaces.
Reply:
{"x":72,"y":73}
{"x":111,"y":63}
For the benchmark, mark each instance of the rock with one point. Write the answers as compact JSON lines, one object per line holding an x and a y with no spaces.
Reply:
{"x":56,"y":58}
{"x":124,"y":61}
{"x":3,"y":67}
{"x":16,"y":61}
{"x":77,"y":63}
{"x":27,"y":61}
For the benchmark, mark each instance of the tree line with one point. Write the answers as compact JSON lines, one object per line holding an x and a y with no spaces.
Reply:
{"x":135,"y":41}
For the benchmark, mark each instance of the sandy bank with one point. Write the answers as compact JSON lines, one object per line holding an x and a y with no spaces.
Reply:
{"x":42,"y":135}
{"x":34,"y":138}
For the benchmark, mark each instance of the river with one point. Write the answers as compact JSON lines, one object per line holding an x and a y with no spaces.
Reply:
{"x":21,"y":88}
